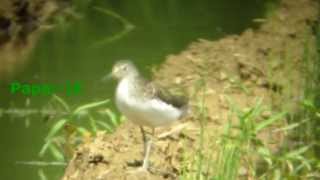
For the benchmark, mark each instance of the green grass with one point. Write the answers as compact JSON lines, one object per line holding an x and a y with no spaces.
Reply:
{"x":194,"y":163}
{"x":240,"y":145}
{"x":235,"y":149}
{"x":70,"y":127}
{"x":104,"y":119}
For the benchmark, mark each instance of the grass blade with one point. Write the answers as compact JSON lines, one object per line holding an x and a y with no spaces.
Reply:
{"x":269,"y":121}
{"x":62,"y":102}
{"x":44,"y":148}
{"x":112,"y":117}
{"x":56,"y":153}
{"x":42,"y":175}
{"x":83,"y":131}
{"x":295,"y":153}
{"x":89,"y":106}
{"x":93,"y":124}
{"x":105,"y":126}
{"x":56,"y":127}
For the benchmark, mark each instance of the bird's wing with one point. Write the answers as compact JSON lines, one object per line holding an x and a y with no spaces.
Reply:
{"x":165,"y":95}
{"x":152,"y":90}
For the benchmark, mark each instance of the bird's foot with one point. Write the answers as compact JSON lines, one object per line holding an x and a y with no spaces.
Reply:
{"x":173,"y":131}
{"x":138,"y":170}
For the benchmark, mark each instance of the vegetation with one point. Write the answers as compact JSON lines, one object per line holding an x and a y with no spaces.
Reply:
{"x":70,"y":128}
{"x":233,"y":150}
{"x":69,"y":123}
{"x":240,"y":153}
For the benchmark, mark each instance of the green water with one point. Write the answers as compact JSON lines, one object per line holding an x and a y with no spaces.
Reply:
{"x":75,"y":52}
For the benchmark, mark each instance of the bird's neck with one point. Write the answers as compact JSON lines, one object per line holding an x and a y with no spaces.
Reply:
{"x":130,"y":78}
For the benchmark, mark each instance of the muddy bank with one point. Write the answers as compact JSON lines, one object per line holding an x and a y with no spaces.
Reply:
{"x":263,"y":63}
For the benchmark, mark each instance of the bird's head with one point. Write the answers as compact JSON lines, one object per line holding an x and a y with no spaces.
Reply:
{"x":123,"y":69}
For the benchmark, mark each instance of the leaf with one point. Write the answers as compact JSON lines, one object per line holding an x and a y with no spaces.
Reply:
{"x":277,"y":175}
{"x":58,"y":155}
{"x":253,"y":112}
{"x":290,"y":165}
{"x":295,"y":153}
{"x":308,"y":104}
{"x":304,"y":163}
{"x":93,"y":124}
{"x":56,"y":127}
{"x":89,"y":106}
{"x":287,"y":128}
{"x":42,"y":175}
{"x":82,"y":131}
{"x":269,"y":121}
{"x":113,"y":118}
{"x":266,"y":154}
{"x":44,"y":148}
{"x":62,"y":102}
{"x":105,"y":126}
{"x":247,"y":118}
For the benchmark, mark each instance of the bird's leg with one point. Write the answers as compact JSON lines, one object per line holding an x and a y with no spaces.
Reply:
{"x":146,"y":152}
{"x":144,"y":139}
{"x":145,"y":164}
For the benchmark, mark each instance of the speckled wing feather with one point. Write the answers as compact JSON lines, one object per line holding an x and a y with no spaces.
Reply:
{"x":152,"y":90}
{"x":177,"y":101}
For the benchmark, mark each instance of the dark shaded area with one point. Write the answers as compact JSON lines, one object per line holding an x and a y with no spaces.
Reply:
{"x":4,"y":30}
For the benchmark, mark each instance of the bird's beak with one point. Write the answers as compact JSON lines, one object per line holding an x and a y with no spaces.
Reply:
{"x":107,"y":77}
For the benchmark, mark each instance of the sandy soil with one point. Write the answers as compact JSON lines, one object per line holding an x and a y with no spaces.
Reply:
{"x":265,"y":62}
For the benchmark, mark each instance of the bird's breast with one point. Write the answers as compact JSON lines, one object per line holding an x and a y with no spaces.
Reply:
{"x":123,"y":97}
